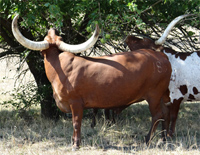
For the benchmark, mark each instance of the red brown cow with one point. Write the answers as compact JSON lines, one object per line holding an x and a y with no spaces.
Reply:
{"x":184,"y":83}
{"x":102,"y":82}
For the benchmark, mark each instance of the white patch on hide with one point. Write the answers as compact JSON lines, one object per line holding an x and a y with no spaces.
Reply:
{"x":63,"y":106}
{"x":184,"y":72}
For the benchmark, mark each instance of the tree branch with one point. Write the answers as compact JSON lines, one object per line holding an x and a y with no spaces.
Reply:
{"x":8,"y":52}
{"x":6,"y":37}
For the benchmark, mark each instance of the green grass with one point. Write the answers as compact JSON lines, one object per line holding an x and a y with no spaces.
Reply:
{"x":27,"y":133}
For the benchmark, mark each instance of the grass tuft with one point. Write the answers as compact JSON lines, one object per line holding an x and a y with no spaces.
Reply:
{"x":29,"y":134}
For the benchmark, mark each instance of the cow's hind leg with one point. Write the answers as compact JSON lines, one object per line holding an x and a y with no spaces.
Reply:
{"x":166,"y":121}
{"x":174,"y":108}
{"x":94,"y":114}
{"x":109,"y":115}
{"x":156,"y":113}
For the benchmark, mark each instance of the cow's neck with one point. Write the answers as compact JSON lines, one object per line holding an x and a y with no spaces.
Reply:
{"x":51,"y":63}
{"x":58,"y":65}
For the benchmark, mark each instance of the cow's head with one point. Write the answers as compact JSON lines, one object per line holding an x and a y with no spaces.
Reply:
{"x":53,"y":39}
{"x":135,"y":43}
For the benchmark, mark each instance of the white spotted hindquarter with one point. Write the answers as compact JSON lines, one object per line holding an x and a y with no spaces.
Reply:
{"x":185,"y":79}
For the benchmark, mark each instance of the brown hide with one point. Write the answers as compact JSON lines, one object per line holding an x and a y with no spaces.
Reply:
{"x":135,"y":43}
{"x":106,"y":82}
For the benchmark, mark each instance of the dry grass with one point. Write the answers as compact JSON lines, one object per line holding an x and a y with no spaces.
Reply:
{"x":28,"y":133}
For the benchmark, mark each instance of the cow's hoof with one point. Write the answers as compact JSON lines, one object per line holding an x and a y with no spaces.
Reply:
{"x":147,"y":139}
{"x":93,"y":125}
{"x":170,"y":134}
{"x":75,"y":148}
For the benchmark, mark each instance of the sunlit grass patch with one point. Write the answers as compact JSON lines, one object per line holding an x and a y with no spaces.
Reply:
{"x":28,"y":133}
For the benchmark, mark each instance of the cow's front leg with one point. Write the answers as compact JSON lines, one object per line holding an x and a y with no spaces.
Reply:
{"x":77,"y":114}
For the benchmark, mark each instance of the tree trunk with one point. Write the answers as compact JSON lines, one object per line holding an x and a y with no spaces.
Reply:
{"x":48,"y":107}
{"x":36,"y":66}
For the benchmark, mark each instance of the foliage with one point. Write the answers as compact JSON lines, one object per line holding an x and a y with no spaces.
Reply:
{"x":23,"y":97}
{"x":76,"y":19}
{"x":116,"y":18}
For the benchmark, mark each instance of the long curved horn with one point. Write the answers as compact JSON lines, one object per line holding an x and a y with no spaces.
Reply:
{"x":80,"y":47}
{"x":33,"y":45}
{"x":162,"y":39}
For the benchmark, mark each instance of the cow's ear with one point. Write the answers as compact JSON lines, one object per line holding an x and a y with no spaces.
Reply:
{"x":157,"y":48}
{"x":160,"y":48}
{"x":147,"y":40}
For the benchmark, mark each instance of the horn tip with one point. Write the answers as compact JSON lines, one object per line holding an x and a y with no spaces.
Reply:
{"x":14,"y":22}
{"x":157,"y":42}
{"x":16,"y":16}
{"x":97,"y":30}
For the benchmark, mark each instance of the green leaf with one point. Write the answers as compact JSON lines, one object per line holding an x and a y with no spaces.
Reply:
{"x":103,"y":41}
{"x":107,"y":36}
{"x":132,"y":7}
{"x":190,"y":33}
{"x":47,"y":4}
{"x":89,"y":29}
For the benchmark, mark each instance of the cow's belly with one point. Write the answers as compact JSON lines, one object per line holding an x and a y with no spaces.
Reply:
{"x":117,"y":95}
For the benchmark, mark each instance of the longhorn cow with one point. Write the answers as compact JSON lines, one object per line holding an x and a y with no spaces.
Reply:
{"x":184,"y":82}
{"x":116,"y":80}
